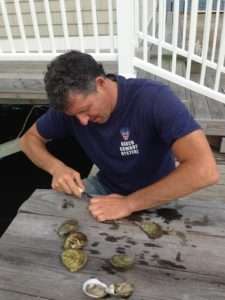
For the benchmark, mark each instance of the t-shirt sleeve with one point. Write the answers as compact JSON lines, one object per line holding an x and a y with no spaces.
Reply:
{"x":53,"y":125}
{"x":171,"y":117}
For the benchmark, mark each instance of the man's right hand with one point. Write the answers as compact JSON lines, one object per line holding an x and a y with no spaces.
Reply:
{"x":67,"y":180}
{"x":64,"y":178}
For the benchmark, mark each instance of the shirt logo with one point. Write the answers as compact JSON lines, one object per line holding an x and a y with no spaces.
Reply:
{"x":127,"y":147}
{"x":125,"y":132}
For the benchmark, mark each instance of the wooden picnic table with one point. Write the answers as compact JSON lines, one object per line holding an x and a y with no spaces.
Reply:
{"x":187,"y":263}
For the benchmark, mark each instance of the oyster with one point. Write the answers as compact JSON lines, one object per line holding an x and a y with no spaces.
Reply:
{"x":94,"y":288}
{"x":152,"y":229}
{"x":122,"y":261}
{"x":123,"y":289}
{"x":75,"y":240}
{"x":74,"y":259}
{"x":67,"y":227}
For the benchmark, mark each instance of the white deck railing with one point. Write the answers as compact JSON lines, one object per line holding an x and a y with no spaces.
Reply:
{"x":180,"y":36}
{"x":47,"y":45}
{"x":145,"y":33}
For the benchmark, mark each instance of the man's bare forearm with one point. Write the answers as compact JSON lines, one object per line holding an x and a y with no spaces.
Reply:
{"x":37,"y":152}
{"x":182,"y":181}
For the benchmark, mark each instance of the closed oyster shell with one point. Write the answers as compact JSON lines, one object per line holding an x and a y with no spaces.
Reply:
{"x":67,"y":227}
{"x":152,"y":229}
{"x":75,"y":240}
{"x":123,"y":289}
{"x":74,"y":259}
{"x":122,"y":261}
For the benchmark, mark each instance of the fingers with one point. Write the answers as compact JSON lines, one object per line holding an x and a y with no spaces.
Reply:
{"x":78,"y":181}
{"x":97,"y":213}
{"x":69,"y":183}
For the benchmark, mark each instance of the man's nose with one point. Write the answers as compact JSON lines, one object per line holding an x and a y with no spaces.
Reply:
{"x":83,"y":120}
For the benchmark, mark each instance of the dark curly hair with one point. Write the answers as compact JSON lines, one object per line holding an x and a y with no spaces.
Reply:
{"x":71,"y":71}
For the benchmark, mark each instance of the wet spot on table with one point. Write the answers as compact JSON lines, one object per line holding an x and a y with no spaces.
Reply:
{"x":170,"y":264}
{"x":120,"y":250}
{"x":108,"y":269}
{"x":93,"y":251}
{"x":130,"y":241}
{"x":95,"y":244}
{"x":168,"y":214}
{"x":113,"y":239}
{"x":152,"y":245}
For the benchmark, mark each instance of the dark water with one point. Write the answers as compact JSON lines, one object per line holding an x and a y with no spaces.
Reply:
{"x":18,"y":176}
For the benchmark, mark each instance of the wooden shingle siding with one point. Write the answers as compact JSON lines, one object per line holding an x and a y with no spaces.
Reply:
{"x":102,"y":18}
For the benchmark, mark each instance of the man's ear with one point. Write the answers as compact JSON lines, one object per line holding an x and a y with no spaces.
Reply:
{"x":100,"y":82}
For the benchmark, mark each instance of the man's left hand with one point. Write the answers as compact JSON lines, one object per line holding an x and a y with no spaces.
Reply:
{"x":110,"y":207}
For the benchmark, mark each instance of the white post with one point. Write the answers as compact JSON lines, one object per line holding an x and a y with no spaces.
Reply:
{"x":125,"y":37}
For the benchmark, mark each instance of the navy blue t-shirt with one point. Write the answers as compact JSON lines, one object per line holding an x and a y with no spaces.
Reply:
{"x":133,"y":148}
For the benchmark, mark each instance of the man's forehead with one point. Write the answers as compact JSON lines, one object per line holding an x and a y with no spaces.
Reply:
{"x":74,"y":95}
{"x":76,"y":101}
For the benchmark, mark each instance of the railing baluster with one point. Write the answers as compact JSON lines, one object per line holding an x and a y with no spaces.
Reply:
{"x":192,"y":36}
{"x":153,"y":17}
{"x":21,"y":25}
{"x":50,"y":26}
{"x":164,"y":20}
{"x":35,"y":25}
{"x":145,"y":27}
{"x":205,"y":45}
{"x":161,"y":29}
{"x":7,"y":26}
{"x":80,"y":25}
{"x":110,"y":16}
{"x":221,"y":55}
{"x":216,"y":30}
{"x":184,"y":24}
{"x":125,"y":35}
{"x":95,"y":24}
{"x":175,"y":34}
{"x":64,"y":23}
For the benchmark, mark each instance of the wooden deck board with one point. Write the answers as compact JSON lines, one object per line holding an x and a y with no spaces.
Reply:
{"x":186,"y":263}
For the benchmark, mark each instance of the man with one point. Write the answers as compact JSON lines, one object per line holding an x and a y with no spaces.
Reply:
{"x":132,"y":129}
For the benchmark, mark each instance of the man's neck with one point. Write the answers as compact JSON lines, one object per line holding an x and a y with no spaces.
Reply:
{"x":113,"y":92}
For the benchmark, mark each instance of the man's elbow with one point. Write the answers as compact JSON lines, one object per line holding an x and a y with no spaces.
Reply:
{"x":210,"y":175}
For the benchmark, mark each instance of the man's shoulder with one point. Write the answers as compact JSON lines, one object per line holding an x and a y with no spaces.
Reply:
{"x":146,"y":86}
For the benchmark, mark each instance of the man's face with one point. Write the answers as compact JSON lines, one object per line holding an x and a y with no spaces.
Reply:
{"x":95,"y":107}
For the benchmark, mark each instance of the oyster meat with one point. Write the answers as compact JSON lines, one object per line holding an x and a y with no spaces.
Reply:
{"x":67,"y":227}
{"x":123,"y":289}
{"x":122,"y":261}
{"x":74,"y":259}
{"x":75,"y":240}
{"x":152,"y":229}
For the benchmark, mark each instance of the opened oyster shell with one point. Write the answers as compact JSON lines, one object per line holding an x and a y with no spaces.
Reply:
{"x":123,"y":289}
{"x":75,"y":240}
{"x":152,"y":229}
{"x":74,"y":259}
{"x":122,"y":262}
{"x":67,"y":227}
{"x":94,"y":288}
